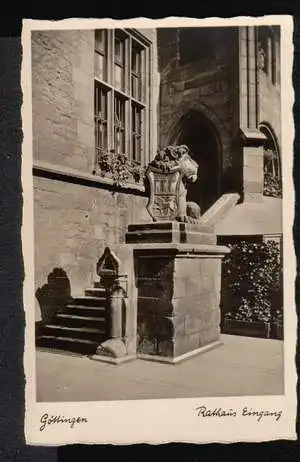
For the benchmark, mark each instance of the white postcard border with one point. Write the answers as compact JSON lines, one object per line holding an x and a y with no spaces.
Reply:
{"x":159,"y":421}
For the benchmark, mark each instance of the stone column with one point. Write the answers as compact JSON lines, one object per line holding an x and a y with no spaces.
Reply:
{"x":252,"y":139}
{"x":253,"y":165}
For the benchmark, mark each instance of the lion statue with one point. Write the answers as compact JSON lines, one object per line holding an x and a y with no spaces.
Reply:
{"x":178,"y":158}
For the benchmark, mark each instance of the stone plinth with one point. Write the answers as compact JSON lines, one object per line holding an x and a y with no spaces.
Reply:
{"x":168,"y":231}
{"x":178,"y":289}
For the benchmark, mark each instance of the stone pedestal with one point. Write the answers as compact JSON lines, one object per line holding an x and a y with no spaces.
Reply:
{"x":178,"y":279}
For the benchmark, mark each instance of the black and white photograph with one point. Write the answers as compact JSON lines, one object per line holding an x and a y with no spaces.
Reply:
{"x":158,"y":205}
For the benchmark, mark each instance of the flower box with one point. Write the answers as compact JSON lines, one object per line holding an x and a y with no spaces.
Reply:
{"x":118,"y":168}
{"x":246,"y":328}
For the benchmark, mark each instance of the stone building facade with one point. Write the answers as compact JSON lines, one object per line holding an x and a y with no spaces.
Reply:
{"x":102,"y":96}
{"x":77,"y":212}
{"x":226,"y":91}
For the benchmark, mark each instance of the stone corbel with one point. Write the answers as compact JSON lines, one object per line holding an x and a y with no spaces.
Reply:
{"x":252,"y":137}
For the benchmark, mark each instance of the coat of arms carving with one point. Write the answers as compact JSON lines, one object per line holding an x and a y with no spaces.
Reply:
{"x":164,"y":196}
{"x":168,"y":175}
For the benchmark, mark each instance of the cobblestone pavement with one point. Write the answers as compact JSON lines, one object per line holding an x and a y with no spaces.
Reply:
{"x":241,"y":366}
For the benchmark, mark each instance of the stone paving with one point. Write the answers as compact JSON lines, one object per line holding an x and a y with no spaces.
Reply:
{"x":241,"y":366}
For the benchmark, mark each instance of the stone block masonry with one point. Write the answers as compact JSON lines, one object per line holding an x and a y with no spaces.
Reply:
{"x":73,"y":225}
{"x":269,"y":105}
{"x":230,"y":91}
{"x":207,"y":85}
{"x":73,"y":222}
{"x":178,"y":296}
{"x":63,"y":98}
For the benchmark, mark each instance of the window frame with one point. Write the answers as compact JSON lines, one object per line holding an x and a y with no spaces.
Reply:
{"x":102,"y":52}
{"x":100,"y":119}
{"x":131,"y":39}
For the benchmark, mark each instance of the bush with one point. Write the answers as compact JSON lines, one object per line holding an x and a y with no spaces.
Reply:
{"x":252,"y":282}
{"x":272,"y":186}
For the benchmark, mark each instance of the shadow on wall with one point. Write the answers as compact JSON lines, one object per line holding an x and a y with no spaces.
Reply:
{"x":53,"y":296}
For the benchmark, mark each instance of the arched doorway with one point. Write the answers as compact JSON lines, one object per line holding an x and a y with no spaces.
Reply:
{"x":199,"y":134}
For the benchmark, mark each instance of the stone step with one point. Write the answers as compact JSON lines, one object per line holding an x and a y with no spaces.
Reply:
{"x":82,"y":333}
{"x":71,"y":320}
{"x":81,"y":327}
{"x":89,"y":311}
{"x":74,"y":345}
{"x":89,"y":301}
{"x":98,"y":292}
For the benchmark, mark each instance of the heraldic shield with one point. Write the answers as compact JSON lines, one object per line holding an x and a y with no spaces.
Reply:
{"x":164,"y":193}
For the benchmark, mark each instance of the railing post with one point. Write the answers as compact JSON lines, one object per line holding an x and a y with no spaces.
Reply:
{"x":116,"y":292}
{"x":116,"y":298}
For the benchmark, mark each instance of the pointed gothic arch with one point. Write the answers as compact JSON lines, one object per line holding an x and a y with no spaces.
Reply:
{"x":199,"y":133}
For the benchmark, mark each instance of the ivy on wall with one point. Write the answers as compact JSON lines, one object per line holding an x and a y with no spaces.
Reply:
{"x":272,"y":185}
{"x":272,"y":180}
{"x":252,"y":282}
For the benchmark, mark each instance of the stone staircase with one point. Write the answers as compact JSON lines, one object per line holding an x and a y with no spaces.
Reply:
{"x":80,"y":327}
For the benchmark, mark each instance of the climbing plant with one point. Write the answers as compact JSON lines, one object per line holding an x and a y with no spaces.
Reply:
{"x":252,"y":282}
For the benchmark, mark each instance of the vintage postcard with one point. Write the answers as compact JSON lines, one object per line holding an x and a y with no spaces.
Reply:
{"x":157,"y":230}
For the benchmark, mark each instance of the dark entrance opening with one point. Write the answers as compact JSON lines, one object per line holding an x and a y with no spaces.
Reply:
{"x":199,"y":135}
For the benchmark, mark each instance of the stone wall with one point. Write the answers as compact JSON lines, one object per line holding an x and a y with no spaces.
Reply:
{"x":208,"y":85}
{"x":259,"y":102}
{"x":63,"y":98}
{"x":269,"y":104}
{"x":214,"y":85}
{"x":270,"y":85}
{"x":74,"y":221}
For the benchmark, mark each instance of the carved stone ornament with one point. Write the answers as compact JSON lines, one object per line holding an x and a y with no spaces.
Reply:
{"x":168,"y":174}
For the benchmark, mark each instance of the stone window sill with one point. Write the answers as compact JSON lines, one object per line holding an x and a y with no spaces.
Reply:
{"x":76,"y":176}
